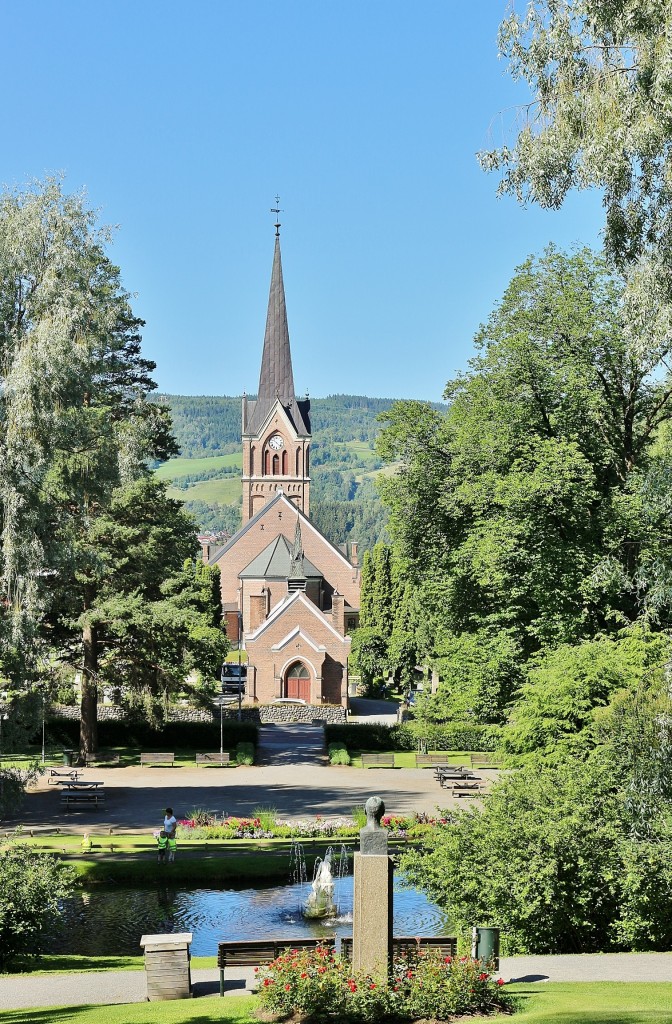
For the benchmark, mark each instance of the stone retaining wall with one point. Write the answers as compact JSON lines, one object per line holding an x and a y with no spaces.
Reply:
{"x":328,"y":714}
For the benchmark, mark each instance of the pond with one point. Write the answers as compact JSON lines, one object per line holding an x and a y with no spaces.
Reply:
{"x":110,"y":921}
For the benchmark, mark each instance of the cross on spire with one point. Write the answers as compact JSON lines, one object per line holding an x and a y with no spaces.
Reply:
{"x":277,"y":211}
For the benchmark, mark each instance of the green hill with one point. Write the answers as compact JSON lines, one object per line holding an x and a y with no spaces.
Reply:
{"x":344,"y":501}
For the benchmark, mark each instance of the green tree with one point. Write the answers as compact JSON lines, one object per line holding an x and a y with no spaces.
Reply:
{"x":521,"y":508}
{"x":566,"y":686}
{"x":31,"y":886}
{"x":599,"y":117}
{"x":151,"y":613}
{"x":479,"y":674}
{"x":82,"y":569}
{"x":369,"y":653}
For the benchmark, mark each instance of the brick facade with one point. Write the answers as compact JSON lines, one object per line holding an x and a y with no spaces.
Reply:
{"x":296,"y":631}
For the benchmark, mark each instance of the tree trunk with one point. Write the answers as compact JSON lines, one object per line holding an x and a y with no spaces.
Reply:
{"x":88,"y":723}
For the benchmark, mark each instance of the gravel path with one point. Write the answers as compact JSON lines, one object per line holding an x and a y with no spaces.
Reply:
{"x":23,"y":991}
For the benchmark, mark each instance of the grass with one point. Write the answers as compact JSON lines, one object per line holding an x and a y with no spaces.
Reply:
{"x":595,"y":1003}
{"x":66,"y":963}
{"x":553,"y":1003}
{"x":406,"y":758}
{"x":237,"y":1009}
{"x":225,"y":491}
{"x":175,"y":468}
{"x":184,"y":758}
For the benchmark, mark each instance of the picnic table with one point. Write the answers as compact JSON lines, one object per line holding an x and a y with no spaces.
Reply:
{"x":453,"y":773}
{"x":81,"y":791}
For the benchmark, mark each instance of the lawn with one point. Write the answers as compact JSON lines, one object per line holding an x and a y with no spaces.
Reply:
{"x":224,"y":491}
{"x":406,"y":758}
{"x":175,"y":468}
{"x":577,"y":1003}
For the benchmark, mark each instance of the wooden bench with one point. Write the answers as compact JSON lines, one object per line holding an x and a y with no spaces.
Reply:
{"x":218,"y":760}
{"x":157,"y":759}
{"x":409,"y":946}
{"x":479,"y":761}
{"x":257,"y":952}
{"x":94,"y":797}
{"x":377,"y":760}
{"x":102,"y":757}
{"x":431,"y":760}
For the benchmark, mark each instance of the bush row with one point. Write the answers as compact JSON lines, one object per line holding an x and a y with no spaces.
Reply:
{"x":174,"y":735}
{"x":376,"y":738}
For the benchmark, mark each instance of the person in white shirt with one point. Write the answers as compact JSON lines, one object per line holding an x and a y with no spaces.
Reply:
{"x":170,"y":823}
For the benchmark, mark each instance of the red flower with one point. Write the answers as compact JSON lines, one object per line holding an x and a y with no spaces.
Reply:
{"x":409,"y":974}
{"x":500,"y":981}
{"x":267,"y":982}
{"x":304,"y":975}
{"x":483,"y":977}
{"x":372,"y":985}
{"x":287,"y":987}
{"x":447,"y":959}
{"x":321,"y":970}
{"x":352,"y":986}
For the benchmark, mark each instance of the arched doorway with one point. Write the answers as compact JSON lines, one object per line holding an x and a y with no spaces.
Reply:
{"x":297,"y":681}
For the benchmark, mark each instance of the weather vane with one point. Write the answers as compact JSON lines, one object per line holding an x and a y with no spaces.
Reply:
{"x":277,"y":211}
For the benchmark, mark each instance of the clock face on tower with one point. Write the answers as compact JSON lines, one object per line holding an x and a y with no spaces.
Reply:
{"x":276,"y":442}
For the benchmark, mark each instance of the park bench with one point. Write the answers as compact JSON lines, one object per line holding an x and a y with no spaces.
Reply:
{"x":257,"y":952}
{"x":82,"y":797}
{"x":377,"y":760}
{"x":157,"y":759}
{"x":408,"y":946}
{"x":430,"y":760}
{"x":482,"y":761}
{"x":102,"y":757}
{"x":218,"y":760}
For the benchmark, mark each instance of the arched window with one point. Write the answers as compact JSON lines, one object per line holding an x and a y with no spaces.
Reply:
{"x":252,"y":461}
{"x":307,"y":463}
{"x":267,"y":462}
{"x":298,"y":462}
{"x":297,"y":682}
{"x":284,"y":463}
{"x":276,"y":464}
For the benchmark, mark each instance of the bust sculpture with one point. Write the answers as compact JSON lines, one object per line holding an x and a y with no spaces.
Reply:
{"x":373,"y":838}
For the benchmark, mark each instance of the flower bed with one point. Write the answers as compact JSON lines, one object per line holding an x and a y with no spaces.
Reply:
{"x":202,"y":826}
{"x":320,"y":985}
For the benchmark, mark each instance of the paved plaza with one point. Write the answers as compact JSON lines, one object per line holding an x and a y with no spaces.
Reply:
{"x":293,"y":777}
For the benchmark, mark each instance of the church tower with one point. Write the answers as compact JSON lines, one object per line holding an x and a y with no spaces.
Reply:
{"x":275,"y":427}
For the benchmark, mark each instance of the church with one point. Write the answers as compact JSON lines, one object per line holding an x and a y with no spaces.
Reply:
{"x":289,"y":595}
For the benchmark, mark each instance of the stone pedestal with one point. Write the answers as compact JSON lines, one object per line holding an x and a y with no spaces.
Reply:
{"x":167,"y":966}
{"x":372,"y":914}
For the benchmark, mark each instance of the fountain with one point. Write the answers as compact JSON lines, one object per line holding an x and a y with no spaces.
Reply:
{"x":320,"y":902}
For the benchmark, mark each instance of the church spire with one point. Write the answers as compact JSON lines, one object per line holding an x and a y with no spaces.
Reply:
{"x":276,"y":379}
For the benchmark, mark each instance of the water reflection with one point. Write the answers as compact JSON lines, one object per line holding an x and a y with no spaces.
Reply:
{"x":109,"y":921}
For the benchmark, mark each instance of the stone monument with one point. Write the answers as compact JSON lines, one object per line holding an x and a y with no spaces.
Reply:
{"x":372,"y":905}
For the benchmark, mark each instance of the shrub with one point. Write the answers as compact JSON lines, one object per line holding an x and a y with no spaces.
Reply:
{"x":31,"y":885}
{"x":173,"y":735}
{"x":13,"y":782}
{"x":321,"y":986}
{"x":245,"y":753}
{"x":338,"y":754}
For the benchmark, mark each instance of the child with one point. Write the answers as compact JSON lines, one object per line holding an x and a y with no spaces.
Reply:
{"x":161,"y":842}
{"x":172,"y":848}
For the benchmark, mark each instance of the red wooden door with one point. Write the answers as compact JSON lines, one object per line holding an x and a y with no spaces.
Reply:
{"x":298,"y":682}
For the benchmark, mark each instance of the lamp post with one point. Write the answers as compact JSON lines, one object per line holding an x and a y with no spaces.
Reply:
{"x":240,"y":681}
{"x":3,"y":715}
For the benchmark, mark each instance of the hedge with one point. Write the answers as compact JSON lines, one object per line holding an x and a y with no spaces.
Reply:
{"x":452,"y":736}
{"x":173,"y":736}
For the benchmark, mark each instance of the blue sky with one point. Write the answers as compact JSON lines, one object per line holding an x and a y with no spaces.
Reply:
{"x":183,"y":121}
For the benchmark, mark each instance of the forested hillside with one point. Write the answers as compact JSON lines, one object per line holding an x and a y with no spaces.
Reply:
{"x":344,"y":499}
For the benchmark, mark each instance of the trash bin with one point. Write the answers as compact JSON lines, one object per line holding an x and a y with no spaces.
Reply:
{"x":68,"y":757}
{"x":485,"y":945}
{"x":167,"y":965}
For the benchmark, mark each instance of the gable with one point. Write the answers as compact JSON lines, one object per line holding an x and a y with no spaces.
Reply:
{"x":278,"y":517}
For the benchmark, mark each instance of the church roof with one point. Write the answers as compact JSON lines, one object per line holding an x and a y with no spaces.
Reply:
{"x":276,"y":379}
{"x":275,"y":562}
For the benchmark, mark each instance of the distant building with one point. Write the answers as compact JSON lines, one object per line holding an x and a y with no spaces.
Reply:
{"x":290,"y":594}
